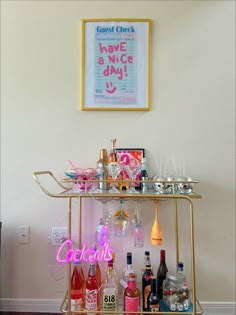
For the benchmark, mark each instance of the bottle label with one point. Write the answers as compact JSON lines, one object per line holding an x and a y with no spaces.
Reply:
{"x":131,"y":304}
{"x":109,"y":299}
{"x":91,"y":299}
{"x":154,"y":308}
{"x":146,"y":292}
{"x":76,"y":304}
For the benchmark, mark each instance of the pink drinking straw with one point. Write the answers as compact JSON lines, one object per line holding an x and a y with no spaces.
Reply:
{"x":72,"y":165}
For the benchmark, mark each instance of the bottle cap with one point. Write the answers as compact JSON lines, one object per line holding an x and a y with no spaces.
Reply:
{"x":129,"y":258}
{"x":110,"y":263}
{"x":162,"y":252}
{"x":113,"y":257}
{"x":103,"y":155}
{"x":180,"y":266}
{"x":147,"y":253}
{"x":144,"y":160}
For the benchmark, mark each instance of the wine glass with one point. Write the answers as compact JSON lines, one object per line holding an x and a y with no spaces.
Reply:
{"x":121,"y":221}
{"x":133,"y":171}
{"x":104,"y":227}
{"x":114,"y":170}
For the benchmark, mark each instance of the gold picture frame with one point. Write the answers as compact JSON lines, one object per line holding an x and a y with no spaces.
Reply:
{"x":115,"y":64}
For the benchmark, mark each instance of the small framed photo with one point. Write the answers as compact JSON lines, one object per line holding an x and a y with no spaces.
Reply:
{"x":128,"y":156}
{"x":115,"y":64}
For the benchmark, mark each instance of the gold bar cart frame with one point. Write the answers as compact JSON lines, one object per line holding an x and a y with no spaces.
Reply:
{"x":68,"y":193}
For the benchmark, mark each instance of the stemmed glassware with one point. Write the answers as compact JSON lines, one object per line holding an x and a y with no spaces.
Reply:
{"x":114,"y":170}
{"x":121,"y":221}
{"x":133,"y":171}
{"x":104,"y":227}
{"x":138,"y":229}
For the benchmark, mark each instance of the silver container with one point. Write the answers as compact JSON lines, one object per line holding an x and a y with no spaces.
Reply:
{"x":102,"y":175}
{"x":160,"y":187}
{"x":183,"y":187}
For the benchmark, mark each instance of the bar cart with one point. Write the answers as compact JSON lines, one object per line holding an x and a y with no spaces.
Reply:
{"x":69,"y":194}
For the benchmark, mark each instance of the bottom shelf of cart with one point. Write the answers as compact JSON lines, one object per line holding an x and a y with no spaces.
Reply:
{"x":163,"y":310}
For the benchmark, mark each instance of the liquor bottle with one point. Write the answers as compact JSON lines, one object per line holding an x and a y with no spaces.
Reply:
{"x":112,"y":158}
{"x":91,"y":294}
{"x":131,"y":296}
{"x":114,"y":268}
{"x":128,"y":269}
{"x":146,"y":280}
{"x":102,"y":169}
{"x":77,"y":288}
{"x":98,"y":274}
{"x":144,"y":175}
{"x":153,"y":300}
{"x":81,"y":275}
{"x":161,"y":274}
{"x":99,"y":280}
{"x":109,"y":291}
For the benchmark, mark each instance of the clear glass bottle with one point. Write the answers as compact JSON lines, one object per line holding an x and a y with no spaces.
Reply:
{"x":146,"y":280}
{"x":91,"y":294}
{"x":161,"y":273}
{"x":131,"y":296}
{"x":109,"y":291}
{"x":77,"y":288}
{"x":128,"y":269}
{"x":176,"y":294}
{"x":114,"y":268}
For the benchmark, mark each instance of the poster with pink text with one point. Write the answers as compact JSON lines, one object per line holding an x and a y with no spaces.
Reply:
{"x":115,"y":64}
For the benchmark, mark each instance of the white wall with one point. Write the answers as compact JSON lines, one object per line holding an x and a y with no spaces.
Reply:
{"x":192,"y":118}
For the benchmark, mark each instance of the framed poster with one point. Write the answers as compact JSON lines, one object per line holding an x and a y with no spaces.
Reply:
{"x":115,"y":64}
{"x":130,"y":157}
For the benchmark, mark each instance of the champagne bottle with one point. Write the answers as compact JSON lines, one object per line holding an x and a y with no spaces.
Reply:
{"x":91,"y":295}
{"x":146,"y":280}
{"x":153,"y":300}
{"x":161,"y":274}
{"x":113,"y":155}
{"x":131,"y":296}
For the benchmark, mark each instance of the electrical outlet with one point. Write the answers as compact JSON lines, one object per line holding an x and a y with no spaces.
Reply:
{"x":58,"y":233}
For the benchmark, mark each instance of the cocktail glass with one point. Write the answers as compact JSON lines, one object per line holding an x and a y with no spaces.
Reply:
{"x":132,"y":171}
{"x":114,"y":170}
{"x":92,"y":174}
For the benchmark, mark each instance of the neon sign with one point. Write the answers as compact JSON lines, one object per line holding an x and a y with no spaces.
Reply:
{"x":84,"y":254}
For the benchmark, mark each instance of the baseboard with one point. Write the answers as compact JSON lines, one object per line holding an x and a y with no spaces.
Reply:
{"x":30,"y":305}
{"x":219,"y":308}
{"x":53,"y":306}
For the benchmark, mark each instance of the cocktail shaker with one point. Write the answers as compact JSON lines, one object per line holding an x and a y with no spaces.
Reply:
{"x":102,"y":170}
